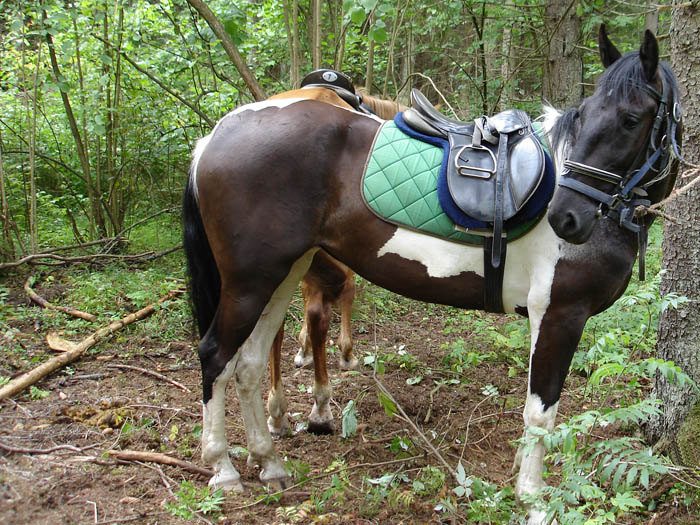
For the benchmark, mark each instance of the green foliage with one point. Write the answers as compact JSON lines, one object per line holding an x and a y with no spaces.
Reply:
{"x":349,"y":420}
{"x":191,"y":500}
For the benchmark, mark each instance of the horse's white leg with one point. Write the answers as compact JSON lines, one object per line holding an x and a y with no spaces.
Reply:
{"x":277,"y":423}
{"x":249,"y":369}
{"x":214,"y":444}
{"x":555,"y":332}
{"x":304,"y":356}
{"x":347,"y":297}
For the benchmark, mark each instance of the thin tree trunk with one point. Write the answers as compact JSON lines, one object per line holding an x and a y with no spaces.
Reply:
{"x":369,"y":75}
{"x":33,"y":228}
{"x":5,"y":211}
{"x":294,"y":65}
{"x":231,"y":50}
{"x":316,"y":35}
{"x":563,"y":78}
{"x":679,"y":330}
{"x":506,"y":74}
{"x":79,"y":146}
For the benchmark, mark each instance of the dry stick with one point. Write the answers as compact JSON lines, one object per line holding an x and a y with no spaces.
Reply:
{"x":38,"y":451}
{"x":45,"y":304}
{"x":404,"y":416}
{"x":152,"y":373}
{"x":157,"y":457}
{"x":75,"y":351}
{"x":139,"y":257}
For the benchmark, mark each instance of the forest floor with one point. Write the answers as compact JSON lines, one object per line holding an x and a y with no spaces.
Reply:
{"x":94,"y":408}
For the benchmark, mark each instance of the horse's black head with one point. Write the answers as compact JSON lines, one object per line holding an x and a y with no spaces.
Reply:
{"x":613,"y":134}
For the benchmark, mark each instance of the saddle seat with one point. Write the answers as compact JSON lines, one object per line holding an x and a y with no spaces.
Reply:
{"x":495,"y":164}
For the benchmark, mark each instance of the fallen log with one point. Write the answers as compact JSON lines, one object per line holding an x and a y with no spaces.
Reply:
{"x":35,"y":297}
{"x":156,"y":457}
{"x":73,"y":351}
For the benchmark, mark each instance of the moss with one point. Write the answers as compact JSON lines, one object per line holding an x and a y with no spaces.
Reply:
{"x":688,"y":438}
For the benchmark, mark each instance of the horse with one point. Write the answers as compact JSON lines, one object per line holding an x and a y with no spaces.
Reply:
{"x":277,"y":181}
{"x":327,"y":282}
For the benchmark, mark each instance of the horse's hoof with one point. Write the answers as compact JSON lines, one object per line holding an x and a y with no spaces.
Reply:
{"x":348,"y":364}
{"x":227,"y":483}
{"x":303,"y":361}
{"x":280,"y":428}
{"x":320,"y":427}
{"x":278,"y":484}
{"x":537,"y":517}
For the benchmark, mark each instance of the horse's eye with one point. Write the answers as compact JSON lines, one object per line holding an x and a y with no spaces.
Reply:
{"x":630,"y":122}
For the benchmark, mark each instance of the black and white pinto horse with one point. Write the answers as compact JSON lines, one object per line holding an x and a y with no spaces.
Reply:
{"x":278,"y":180}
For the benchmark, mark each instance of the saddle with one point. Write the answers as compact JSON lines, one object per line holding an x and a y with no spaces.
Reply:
{"x":336,"y":81}
{"x":495,"y":163}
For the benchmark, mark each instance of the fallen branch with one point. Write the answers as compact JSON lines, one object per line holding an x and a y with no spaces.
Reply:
{"x":36,"y":258}
{"x":38,"y":451}
{"x":152,"y":373}
{"x":72,"y":351}
{"x":157,"y":457}
{"x":45,"y":304}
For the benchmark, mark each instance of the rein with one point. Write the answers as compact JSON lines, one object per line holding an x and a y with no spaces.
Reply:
{"x":629,"y":192}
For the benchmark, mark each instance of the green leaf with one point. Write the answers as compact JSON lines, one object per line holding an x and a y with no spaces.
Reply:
{"x":349,"y":420}
{"x":357,"y":15}
{"x":378,"y":34}
{"x":387,"y":403}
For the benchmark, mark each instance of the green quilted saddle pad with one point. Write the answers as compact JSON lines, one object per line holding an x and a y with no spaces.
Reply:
{"x":400,"y":186}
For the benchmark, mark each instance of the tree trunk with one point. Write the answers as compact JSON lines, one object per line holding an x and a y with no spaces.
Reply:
{"x":563,"y":68}
{"x":316,"y":35}
{"x":218,"y":28}
{"x":679,"y":330}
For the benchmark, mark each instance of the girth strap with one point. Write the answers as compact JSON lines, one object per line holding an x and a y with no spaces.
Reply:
{"x":493,"y":276}
{"x":498,"y":211}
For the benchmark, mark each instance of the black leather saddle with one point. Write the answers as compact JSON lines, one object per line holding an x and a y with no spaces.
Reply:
{"x":495,"y":163}
{"x":335,"y":80}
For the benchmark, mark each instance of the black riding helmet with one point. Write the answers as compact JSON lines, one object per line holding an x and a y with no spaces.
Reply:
{"x":328,"y":77}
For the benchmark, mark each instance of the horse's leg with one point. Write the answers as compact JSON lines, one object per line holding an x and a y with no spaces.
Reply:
{"x":249,"y":370}
{"x":232,"y":348}
{"x":304,"y":356}
{"x":214,"y":445}
{"x":318,"y":314}
{"x":277,"y":423}
{"x":554,"y":337}
{"x":347,"y":297}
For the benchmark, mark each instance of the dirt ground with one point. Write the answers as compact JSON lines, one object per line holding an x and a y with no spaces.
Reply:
{"x":94,"y":408}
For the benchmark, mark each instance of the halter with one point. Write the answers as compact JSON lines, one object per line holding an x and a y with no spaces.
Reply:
{"x":628,"y":192}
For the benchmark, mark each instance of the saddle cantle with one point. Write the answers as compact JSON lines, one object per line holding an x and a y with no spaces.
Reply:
{"x":495,"y":163}
{"x":336,"y":81}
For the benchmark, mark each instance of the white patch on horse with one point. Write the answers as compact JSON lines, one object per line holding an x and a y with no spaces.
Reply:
{"x":441,"y":258}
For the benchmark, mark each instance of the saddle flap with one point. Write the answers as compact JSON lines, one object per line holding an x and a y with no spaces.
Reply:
{"x":471,"y":174}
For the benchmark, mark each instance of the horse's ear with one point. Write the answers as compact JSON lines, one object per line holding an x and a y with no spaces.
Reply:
{"x":608,"y":51}
{"x":649,"y":55}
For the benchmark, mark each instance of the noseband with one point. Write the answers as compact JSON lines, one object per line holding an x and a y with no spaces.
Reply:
{"x":628,"y":191}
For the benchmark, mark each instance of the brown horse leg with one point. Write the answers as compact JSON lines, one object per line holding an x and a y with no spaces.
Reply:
{"x":347,"y":361}
{"x":277,"y":423}
{"x":304,"y":356}
{"x":318,"y":316}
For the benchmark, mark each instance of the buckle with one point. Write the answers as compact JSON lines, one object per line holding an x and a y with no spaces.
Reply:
{"x":677,"y":113}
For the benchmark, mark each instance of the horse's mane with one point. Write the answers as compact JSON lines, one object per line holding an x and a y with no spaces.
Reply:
{"x":625,"y":77}
{"x":385,"y":109}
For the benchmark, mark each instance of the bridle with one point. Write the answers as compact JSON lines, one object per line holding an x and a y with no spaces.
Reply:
{"x":629,"y":192}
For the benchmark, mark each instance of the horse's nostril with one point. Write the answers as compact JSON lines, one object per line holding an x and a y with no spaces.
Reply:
{"x":570,"y":224}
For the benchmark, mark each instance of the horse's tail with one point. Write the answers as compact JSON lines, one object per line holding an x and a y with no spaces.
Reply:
{"x":204,"y":282}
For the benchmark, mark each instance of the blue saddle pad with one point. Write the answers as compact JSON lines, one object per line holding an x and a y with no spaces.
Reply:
{"x":530,"y":211}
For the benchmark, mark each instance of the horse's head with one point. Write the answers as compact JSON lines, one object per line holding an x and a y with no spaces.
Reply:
{"x":623,"y":143}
